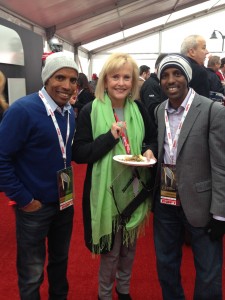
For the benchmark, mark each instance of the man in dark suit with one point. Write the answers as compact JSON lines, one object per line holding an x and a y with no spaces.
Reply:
{"x":194,"y":48}
{"x":191,"y":144}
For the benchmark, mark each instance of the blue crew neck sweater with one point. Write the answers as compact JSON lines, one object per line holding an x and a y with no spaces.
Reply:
{"x":30,"y":155}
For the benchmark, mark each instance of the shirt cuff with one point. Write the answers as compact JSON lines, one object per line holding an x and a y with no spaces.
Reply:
{"x":218,"y":218}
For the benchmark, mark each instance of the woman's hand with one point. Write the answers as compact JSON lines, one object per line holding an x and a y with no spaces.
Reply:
{"x":117,"y":129}
{"x":149,"y":155}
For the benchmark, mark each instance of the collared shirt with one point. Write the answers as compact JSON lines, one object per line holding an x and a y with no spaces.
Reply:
{"x":174,"y":116}
{"x":54,"y":106}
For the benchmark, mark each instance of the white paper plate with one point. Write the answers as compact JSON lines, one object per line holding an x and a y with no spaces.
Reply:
{"x":145,"y":163}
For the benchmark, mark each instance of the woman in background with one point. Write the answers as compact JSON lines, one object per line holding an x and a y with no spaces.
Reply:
{"x":85,"y":93}
{"x":110,"y":125}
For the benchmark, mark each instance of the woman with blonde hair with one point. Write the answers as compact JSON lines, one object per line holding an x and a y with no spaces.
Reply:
{"x":3,"y":104}
{"x":115,"y":124}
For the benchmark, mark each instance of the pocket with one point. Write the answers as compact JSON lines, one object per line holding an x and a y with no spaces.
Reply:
{"x":203,"y":186}
{"x":32,"y":212}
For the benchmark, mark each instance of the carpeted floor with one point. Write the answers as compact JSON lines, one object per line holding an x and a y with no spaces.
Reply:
{"x":83,"y":268}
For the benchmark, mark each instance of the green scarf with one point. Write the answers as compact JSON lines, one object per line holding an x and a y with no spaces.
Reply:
{"x":107,"y":172}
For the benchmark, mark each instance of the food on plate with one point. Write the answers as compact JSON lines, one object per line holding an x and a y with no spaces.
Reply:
{"x":137,"y":158}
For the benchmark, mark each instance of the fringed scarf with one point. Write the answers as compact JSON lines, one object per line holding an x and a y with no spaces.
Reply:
{"x":107,"y":173}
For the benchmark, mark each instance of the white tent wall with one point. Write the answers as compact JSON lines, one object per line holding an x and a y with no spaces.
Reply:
{"x":84,"y":62}
{"x":173,"y":37}
{"x":146,"y":50}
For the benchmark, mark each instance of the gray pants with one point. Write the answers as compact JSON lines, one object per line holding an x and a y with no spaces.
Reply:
{"x":116,"y":265}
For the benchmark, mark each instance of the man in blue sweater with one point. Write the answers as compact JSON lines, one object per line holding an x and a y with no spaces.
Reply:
{"x":35,"y":171}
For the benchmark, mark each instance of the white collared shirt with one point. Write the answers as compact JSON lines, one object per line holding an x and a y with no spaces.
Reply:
{"x":174,"y":116}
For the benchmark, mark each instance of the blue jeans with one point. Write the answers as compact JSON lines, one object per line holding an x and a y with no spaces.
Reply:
{"x":169,"y":225}
{"x":32,"y":230}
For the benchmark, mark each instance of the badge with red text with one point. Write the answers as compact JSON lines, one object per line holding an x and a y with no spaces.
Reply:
{"x":168,"y":191}
{"x":65,"y":187}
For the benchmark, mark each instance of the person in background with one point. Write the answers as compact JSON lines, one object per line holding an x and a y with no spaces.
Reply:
{"x":144,"y":73}
{"x":3,"y":104}
{"x":114,"y":124}
{"x":93,"y":82}
{"x":189,"y":191}
{"x":73,"y":98}
{"x":151,"y":93}
{"x":35,"y":168}
{"x":194,"y":48}
{"x":216,"y":86}
{"x":221,"y":72}
{"x":84,"y":94}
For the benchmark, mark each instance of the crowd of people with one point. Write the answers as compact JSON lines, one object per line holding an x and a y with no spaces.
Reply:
{"x":174,"y":128}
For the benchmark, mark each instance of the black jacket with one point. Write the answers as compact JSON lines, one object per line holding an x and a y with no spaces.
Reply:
{"x":86,"y":150}
{"x":83,"y":98}
{"x":214,"y":82}
{"x":199,"y":82}
{"x":151,"y":94}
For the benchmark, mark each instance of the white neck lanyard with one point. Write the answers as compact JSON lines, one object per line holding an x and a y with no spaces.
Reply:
{"x":52,"y":114}
{"x":173,"y":143}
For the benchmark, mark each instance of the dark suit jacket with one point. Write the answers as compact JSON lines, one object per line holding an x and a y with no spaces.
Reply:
{"x":151,"y":94}
{"x":199,"y":82}
{"x":200,"y":160}
{"x":83,"y":98}
{"x":214,"y":81}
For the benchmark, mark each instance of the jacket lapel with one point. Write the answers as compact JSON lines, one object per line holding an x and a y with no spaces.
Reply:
{"x":161,"y":128}
{"x":188,"y":123}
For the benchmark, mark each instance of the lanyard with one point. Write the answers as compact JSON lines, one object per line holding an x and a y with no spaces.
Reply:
{"x":52,"y":114}
{"x":173,"y":143}
{"x":123,"y":136}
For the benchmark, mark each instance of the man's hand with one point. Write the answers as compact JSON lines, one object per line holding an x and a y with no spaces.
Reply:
{"x":32,"y":206}
{"x":215,"y":229}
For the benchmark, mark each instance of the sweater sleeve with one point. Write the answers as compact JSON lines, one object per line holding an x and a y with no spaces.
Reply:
{"x":14,"y":131}
{"x":217,"y":150}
